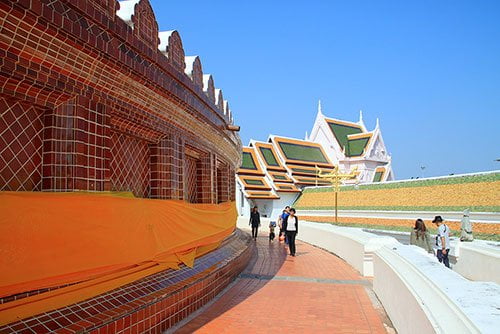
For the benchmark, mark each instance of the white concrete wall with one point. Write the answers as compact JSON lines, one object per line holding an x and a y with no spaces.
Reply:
{"x":265,"y":206}
{"x":243,"y":204}
{"x":478,"y":261}
{"x":268,"y":208}
{"x":279,"y":204}
{"x":392,"y":291}
{"x":419,"y":294}
{"x":351,"y":244}
{"x":413,"y":302}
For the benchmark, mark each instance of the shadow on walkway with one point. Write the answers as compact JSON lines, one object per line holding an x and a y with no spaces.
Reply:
{"x":313,"y":292}
{"x":266,"y":261}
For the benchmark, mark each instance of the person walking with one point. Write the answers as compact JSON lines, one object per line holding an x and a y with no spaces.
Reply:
{"x":284,"y":216}
{"x":420,"y":236}
{"x":254,"y":222}
{"x":281,"y":219}
{"x":442,"y":241}
{"x":291,"y":227}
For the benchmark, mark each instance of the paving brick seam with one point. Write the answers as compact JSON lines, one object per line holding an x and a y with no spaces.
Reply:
{"x":304,"y":279}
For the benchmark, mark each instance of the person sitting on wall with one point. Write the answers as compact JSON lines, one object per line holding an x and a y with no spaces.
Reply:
{"x":420,"y":236}
{"x":254,"y":222}
{"x":442,"y":241}
{"x":466,"y":227}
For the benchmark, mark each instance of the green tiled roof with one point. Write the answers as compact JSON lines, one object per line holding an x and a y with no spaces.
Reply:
{"x":303,"y":152}
{"x":378,"y":176}
{"x":279,"y":177}
{"x":254,"y":182}
{"x":302,"y":170}
{"x":356,"y":147}
{"x":248,"y":162}
{"x":269,"y":156}
{"x":341,"y":132}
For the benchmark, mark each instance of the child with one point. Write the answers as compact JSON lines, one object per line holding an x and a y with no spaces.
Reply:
{"x":272,"y":225}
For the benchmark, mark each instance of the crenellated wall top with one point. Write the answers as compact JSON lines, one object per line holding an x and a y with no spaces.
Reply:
{"x":139,"y":16}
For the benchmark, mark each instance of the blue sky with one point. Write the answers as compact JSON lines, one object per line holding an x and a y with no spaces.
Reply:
{"x":429,"y":70}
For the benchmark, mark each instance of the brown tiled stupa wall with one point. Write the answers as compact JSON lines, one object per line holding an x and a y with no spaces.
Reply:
{"x":152,"y":304}
{"x":89,"y":102}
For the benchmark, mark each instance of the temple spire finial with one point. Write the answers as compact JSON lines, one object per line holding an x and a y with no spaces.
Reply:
{"x":377,"y":124}
{"x":361,"y":116}
{"x":319,"y":107}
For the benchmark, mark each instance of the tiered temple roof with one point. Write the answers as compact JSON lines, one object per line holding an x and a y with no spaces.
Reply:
{"x":287,"y":164}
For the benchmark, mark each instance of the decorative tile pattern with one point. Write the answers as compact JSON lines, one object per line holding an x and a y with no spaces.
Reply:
{"x":232,"y":184}
{"x":191,"y":179}
{"x":166,"y":168}
{"x":21,"y":129}
{"x":223,"y":183}
{"x":90,"y":72}
{"x":129,"y":164}
{"x":76,"y":146}
{"x":154,"y":303}
{"x":108,"y":111}
{"x":206,"y":179}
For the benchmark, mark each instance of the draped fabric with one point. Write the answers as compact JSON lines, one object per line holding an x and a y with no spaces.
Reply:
{"x":94,"y":243}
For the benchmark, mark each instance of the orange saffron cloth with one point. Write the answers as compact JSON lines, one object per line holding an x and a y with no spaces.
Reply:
{"x":96,"y":242}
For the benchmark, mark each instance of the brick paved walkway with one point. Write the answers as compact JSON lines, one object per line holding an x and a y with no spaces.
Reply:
{"x":314,"y":292}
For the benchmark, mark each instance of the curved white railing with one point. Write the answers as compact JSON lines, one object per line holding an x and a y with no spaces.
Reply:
{"x":476,"y":217}
{"x":419,"y":294}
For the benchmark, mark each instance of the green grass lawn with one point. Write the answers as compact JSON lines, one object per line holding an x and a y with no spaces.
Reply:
{"x":481,"y":236}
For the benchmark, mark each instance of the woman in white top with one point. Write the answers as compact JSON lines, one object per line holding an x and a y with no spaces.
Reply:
{"x":291,"y":227}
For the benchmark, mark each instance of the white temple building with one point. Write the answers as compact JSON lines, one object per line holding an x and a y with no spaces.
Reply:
{"x":273,"y":173}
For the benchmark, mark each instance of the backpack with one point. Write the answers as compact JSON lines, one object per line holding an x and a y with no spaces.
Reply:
{"x":437,"y":235}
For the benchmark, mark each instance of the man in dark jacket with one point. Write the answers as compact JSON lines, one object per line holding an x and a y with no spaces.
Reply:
{"x":254,"y":221}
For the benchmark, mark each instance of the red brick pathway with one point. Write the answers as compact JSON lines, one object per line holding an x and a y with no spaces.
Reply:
{"x":314,"y":292}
